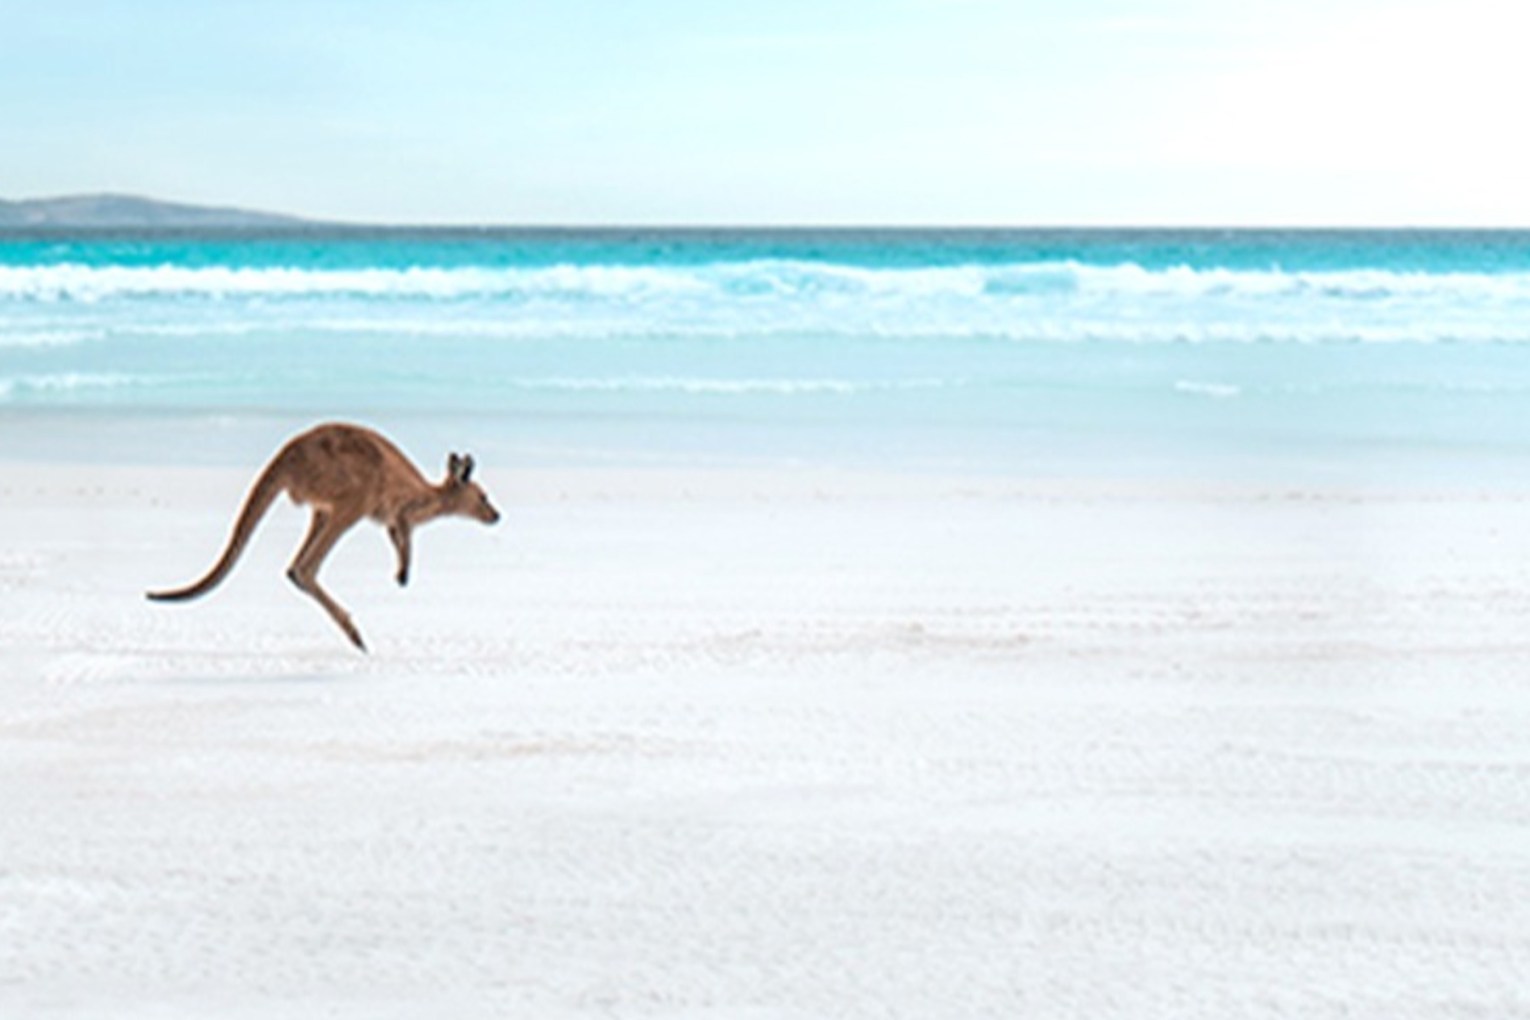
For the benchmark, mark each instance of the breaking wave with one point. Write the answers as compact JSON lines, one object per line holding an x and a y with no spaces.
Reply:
{"x":1064,"y":300}
{"x":764,"y":278}
{"x":54,"y":385}
{"x":696,"y":385}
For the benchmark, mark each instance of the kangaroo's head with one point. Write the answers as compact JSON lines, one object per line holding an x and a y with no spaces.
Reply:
{"x":462,"y":495}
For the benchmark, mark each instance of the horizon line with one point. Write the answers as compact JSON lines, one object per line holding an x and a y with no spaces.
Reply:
{"x":281,"y":222}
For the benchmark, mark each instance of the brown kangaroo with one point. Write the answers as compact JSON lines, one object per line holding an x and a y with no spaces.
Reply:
{"x":345,"y":472}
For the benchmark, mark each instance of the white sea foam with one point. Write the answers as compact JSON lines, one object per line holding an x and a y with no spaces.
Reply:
{"x":1063,"y":301}
{"x":202,"y":328}
{"x":68,"y":382}
{"x":656,"y":321}
{"x":70,"y":281}
{"x":726,"y":387}
{"x":23,"y":337}
{"x":761,"y":279}
{"x":1192,"y":322}
{"x":1208,"y":389}
{"x":975,"y":326}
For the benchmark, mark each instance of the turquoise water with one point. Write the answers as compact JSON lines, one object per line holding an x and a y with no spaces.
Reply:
{"x":1301,"y":355}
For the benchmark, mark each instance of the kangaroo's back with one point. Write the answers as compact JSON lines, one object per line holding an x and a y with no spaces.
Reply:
{"x":348,"y":467}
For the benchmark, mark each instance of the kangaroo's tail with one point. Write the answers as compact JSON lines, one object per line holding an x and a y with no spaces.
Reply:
{"x":262,"y":494}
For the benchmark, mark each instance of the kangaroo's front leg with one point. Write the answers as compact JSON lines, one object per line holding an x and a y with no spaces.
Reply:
{"x":323,"y":532}
{"x":399,"y":532}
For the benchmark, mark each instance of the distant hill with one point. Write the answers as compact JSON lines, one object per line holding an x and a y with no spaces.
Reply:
{"x":128,"y":211}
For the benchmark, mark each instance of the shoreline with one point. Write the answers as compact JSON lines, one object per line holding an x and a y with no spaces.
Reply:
{"x":106,"y":439}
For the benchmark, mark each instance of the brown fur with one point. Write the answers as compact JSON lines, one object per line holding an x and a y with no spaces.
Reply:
{"x":345,"y":473}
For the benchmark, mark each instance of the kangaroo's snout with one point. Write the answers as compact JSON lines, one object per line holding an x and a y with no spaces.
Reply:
{"x":482,"y":508}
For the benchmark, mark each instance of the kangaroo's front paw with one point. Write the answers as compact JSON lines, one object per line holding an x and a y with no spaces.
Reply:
{"x":402,"y":577}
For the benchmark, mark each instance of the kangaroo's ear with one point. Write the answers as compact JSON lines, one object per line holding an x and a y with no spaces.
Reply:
{"x":454,"y":468}
{"x":467,"y":467}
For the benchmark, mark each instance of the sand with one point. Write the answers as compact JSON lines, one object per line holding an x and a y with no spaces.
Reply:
{"x":770,"y":743}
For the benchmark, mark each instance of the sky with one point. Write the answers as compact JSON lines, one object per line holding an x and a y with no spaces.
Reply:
{"x":875,"y":112}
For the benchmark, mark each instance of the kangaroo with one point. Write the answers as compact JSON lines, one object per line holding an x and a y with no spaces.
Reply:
{"x":345,"y":472}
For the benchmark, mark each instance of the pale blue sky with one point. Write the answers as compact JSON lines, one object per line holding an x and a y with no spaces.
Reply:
{"x":789,"y":111}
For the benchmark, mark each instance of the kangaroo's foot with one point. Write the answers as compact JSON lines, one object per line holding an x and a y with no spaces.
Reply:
{"x":354,"y":634}
{"x":310,"y":587}
{"x":399,"y":532}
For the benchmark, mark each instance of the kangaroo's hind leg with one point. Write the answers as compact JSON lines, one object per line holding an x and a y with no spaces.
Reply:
{"x":323,"y":532}
{"x":399,"y":532}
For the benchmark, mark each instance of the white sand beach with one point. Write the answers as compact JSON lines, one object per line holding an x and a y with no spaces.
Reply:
{"x":770,"y":743}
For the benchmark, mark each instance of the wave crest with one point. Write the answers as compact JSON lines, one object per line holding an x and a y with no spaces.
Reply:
{"x":1061,"y":300}
{"x":759,"y":279}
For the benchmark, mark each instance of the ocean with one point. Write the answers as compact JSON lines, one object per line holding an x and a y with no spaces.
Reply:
{"x":1308,"y":357}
